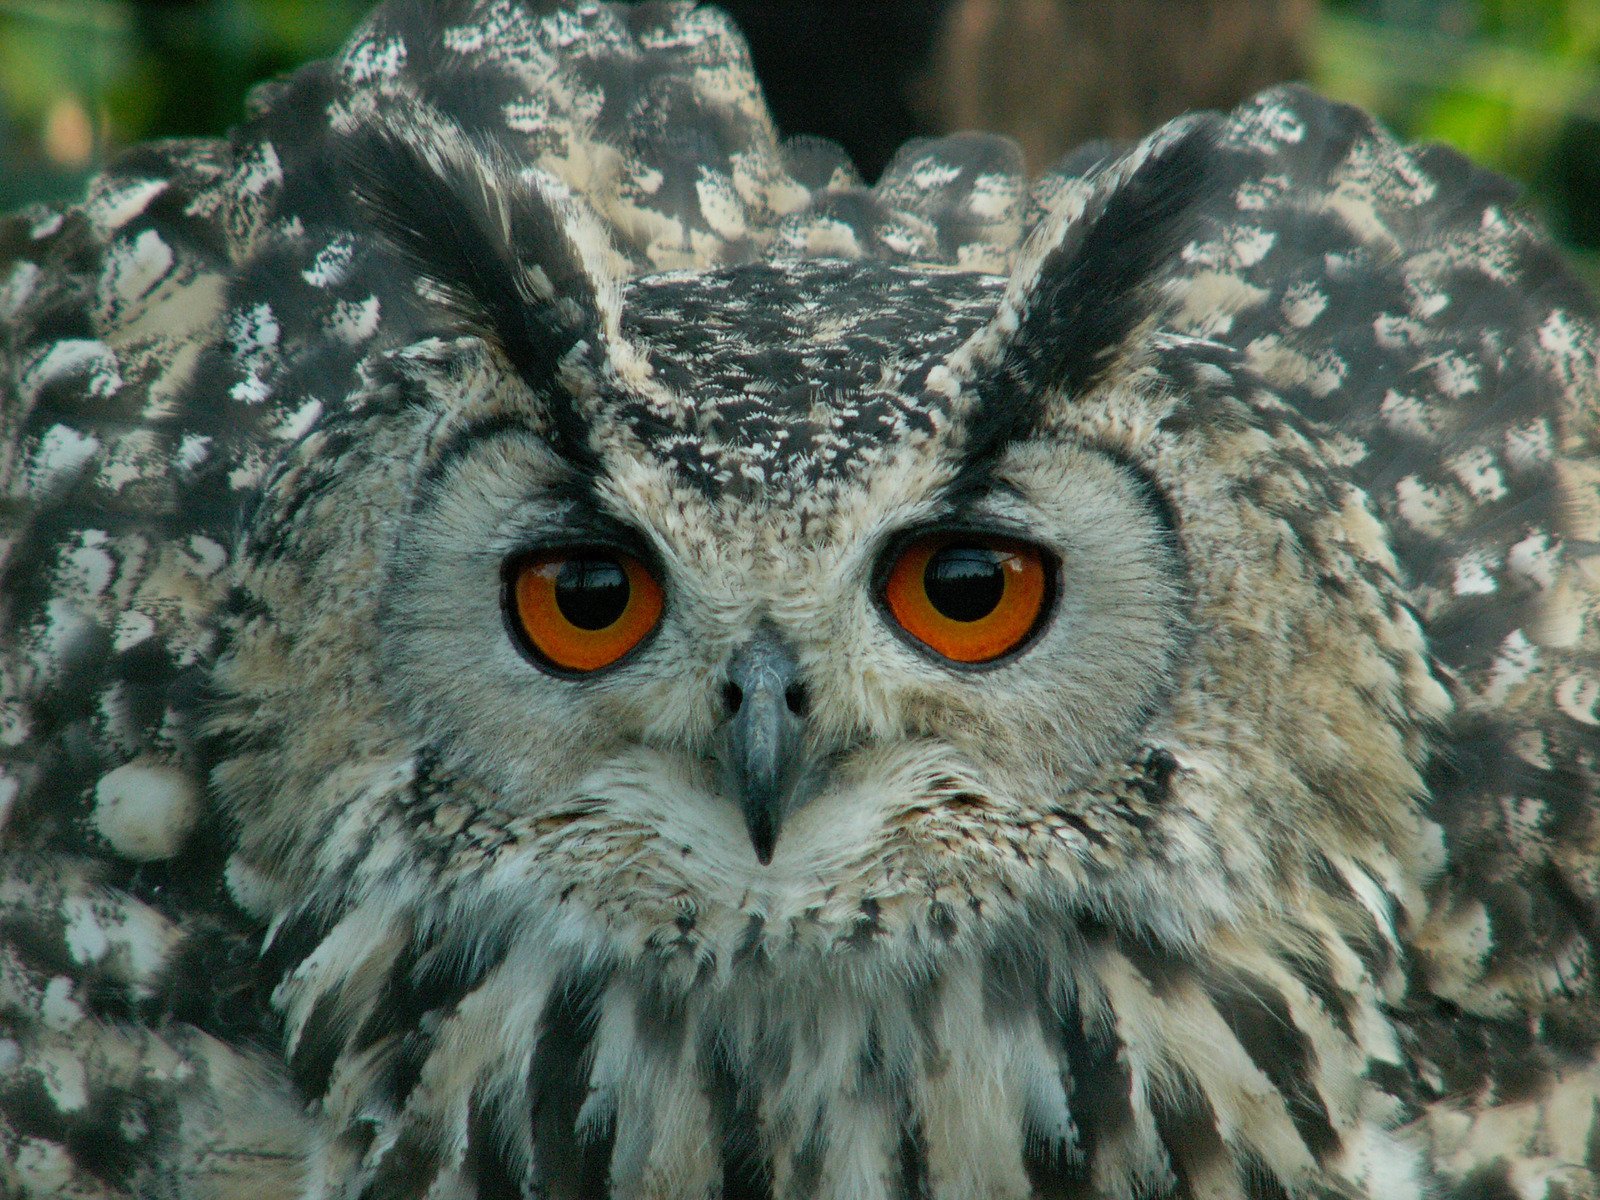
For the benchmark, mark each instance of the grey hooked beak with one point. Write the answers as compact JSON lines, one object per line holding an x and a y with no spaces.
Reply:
{"x":766,"y":703}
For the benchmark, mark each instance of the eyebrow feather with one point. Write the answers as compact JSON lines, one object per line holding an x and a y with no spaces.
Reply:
{"x":497,"y":254}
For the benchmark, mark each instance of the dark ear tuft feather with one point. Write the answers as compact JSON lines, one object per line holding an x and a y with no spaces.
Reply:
{"x":1087,"y":284}
{"x":1091,"y":289}
{"x":503,"y":256}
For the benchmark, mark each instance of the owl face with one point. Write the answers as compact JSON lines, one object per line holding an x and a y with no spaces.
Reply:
{"x":637,"y":702}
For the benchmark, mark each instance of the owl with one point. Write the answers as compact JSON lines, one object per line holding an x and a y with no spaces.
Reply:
{"x":559,"y":645}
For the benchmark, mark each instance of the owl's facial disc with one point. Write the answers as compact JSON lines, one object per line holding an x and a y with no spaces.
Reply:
{"x":777,"y":641}
{"x":967,"y":599}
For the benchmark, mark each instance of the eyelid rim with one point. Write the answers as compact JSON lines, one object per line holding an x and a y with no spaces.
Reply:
{"x":510,"y":567}
{"x":898,"y":543}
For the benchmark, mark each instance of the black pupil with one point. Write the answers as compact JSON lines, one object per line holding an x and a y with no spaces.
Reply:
{"x":592,"y":593}
{"x":965,"y":583}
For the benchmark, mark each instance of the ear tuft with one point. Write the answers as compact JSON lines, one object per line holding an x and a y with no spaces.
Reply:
{"x":504,"y":254}
{"x":1086,"y":280}
{"x":1083,"y":285}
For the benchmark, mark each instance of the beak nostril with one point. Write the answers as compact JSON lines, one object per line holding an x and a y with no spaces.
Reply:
{"x":732,"y":696}
{"x":797,"y":700}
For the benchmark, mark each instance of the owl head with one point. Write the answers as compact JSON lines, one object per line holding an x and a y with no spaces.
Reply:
{"x":795,"y":624}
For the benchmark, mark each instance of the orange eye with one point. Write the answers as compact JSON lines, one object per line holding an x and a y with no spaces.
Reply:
{"x":580,"y":610}
{"x":968,"y":597}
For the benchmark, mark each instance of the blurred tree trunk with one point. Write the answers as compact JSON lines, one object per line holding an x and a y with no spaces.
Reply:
{"x":1057,"y":73}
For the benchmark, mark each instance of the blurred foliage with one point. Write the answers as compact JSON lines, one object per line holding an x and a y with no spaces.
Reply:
{"x":79,"y":78}
{"x":1513,"y":83}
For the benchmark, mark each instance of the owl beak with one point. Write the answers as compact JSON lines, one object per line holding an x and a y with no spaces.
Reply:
{"x":765,"y":734}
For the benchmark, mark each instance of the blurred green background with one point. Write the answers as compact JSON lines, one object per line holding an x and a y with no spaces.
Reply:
{"x":1514,"y":83}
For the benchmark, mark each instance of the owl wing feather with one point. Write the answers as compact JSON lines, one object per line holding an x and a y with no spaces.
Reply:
{"x":1398,"y":300}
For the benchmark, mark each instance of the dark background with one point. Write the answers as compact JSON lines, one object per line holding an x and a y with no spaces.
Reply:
{"x":1514,"y":83}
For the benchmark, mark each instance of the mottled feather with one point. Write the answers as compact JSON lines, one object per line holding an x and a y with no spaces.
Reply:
{"x":1274,"y":870}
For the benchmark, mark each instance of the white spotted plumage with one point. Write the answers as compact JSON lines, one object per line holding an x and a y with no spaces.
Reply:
{"x":1266,"y":866}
